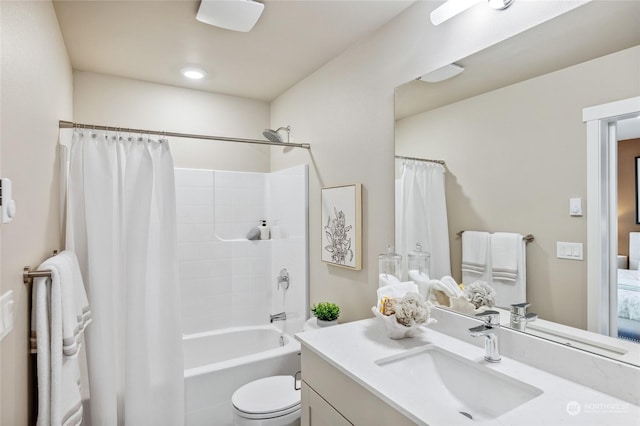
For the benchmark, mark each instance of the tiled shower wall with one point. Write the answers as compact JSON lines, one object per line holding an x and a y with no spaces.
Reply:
{"x":227,"y":280}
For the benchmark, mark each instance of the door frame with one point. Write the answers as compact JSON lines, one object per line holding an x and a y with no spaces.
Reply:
{"x":602,"y":230}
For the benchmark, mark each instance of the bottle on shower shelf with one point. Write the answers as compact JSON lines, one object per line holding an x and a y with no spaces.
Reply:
{"x":264,"y":231}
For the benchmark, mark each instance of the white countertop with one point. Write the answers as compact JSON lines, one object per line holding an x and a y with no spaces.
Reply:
{"x":622,"y":350}
{"x":354,"y":347}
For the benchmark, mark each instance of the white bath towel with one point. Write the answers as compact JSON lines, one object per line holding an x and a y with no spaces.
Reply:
{"x":475,"y":252}
{"x":508,"y":269}
{"x":60,"y":313}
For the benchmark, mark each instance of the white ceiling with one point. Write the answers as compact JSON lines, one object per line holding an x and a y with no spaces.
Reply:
{"x":587,"y":32}
{"x":153,"y":40}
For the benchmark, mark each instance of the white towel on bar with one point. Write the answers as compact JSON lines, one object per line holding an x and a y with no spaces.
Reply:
{"x":505,"y":249}
{"x":508,"y":267}
{"x":60,"y":313}
{"x":475,"y":250}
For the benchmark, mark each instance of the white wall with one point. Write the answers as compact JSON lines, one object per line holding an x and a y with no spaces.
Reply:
{"x":227,"y":280}
{"x":287,"y":214}
{"x":345,"y":110}
{"x":114,"y":101}
{"x":36,"y":92}
{"x":514,"y":158}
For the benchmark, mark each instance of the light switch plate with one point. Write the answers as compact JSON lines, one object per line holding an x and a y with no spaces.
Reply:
{"x":571,"y":251}
{"x":575,"y":206}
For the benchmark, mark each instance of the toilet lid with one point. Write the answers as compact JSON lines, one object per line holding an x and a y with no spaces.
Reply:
{"x":268,"y":395}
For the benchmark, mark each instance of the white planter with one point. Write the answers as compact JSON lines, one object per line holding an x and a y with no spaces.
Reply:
{"x":322,"y":323}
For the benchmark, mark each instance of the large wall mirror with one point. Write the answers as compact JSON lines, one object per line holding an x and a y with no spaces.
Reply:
{"x":509,"y":129}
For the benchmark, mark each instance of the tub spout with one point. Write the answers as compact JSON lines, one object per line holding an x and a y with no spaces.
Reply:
{"x":281,"y":316}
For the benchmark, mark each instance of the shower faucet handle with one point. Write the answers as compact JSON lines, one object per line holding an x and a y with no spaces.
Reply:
{"x":283,"y":279}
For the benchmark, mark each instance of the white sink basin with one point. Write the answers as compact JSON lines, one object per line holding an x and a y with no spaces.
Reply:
{"x":456,"y":383}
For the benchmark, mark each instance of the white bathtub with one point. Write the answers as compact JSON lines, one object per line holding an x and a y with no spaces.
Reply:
{"x":216,"y":363}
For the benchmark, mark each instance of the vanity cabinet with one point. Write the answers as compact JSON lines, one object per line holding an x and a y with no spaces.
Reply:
{"x":331,"y":398}
{"x":318,"y":412}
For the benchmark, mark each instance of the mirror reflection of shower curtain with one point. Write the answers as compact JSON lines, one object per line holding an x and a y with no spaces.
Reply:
{"x":421,"y":215}
{"x":121,"y":223}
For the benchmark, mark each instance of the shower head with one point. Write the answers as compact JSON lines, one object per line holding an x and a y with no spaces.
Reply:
{"x":274,"y":135}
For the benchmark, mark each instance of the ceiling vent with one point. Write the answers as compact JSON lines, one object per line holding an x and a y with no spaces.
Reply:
{"x":235,"y":15}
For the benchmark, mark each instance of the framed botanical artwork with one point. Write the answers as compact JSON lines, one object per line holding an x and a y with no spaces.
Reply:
{"x":342,"y":226}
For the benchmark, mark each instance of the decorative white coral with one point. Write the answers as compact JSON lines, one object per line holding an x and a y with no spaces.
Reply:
{"x":412,"y":310}
{"x":480,"y":293}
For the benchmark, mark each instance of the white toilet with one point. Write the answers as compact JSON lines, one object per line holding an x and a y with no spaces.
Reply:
{"x":272,"y":401}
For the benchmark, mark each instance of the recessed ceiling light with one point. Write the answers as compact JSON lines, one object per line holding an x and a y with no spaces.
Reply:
{"x":193,"y":73}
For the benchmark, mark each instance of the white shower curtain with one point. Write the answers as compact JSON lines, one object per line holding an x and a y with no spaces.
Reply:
{"x":421,"y":214}
{"x":121,"y":223}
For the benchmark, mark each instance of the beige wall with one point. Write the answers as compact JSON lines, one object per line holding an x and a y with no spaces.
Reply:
{"x":122,"y":102}
{"x":36,"y":92}
{"x":628,"y":150}
{"x":515,"y":156}
{"x":345,"y":110}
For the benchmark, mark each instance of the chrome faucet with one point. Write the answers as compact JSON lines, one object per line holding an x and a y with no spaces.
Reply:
{"x":488,"y":330}
{"x":520,"y":317}
{"x":281,"y":316}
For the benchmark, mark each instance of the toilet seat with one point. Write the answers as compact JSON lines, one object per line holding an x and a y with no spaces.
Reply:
{"x":267,"y":398}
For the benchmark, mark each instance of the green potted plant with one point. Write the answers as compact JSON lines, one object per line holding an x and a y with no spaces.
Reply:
{"x":326,"y":313}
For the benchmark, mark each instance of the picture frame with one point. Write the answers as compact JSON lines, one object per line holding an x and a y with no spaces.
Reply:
{"x":637,"y":190}
{"x":341,"y":220}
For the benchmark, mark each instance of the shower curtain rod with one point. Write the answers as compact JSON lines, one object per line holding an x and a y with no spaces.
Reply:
{"x":70,"y":125}
{"x":421,"y":159}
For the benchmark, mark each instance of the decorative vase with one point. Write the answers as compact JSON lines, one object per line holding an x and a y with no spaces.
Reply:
{"x":323,"y":323}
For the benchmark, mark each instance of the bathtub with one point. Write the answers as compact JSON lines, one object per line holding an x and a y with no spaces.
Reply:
{"x":216,"y":363}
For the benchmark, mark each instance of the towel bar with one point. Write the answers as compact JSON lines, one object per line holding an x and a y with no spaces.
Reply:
{"x":527,"y":238}
{"x":28,"y":275}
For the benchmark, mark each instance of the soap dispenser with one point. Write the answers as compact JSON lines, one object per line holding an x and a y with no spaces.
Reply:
{"x":389,"y":263}
{"x":264,"y":231}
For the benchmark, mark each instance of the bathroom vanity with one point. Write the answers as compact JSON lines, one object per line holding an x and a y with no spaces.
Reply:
{"x":355,"y":374}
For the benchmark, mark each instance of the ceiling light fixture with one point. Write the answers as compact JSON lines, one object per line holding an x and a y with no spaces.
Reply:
{"x":452,"y":8}
{"x":235,"y":15}
{"x":441,"y":74}
{"x":193,"y":73}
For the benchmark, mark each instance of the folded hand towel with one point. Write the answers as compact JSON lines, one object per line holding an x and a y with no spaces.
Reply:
{"x":474,"y":251}
{"x":452,"y":285}
{"x":509,"y":279}
{"x":505,"y":248}
{"x":60,"y":314}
